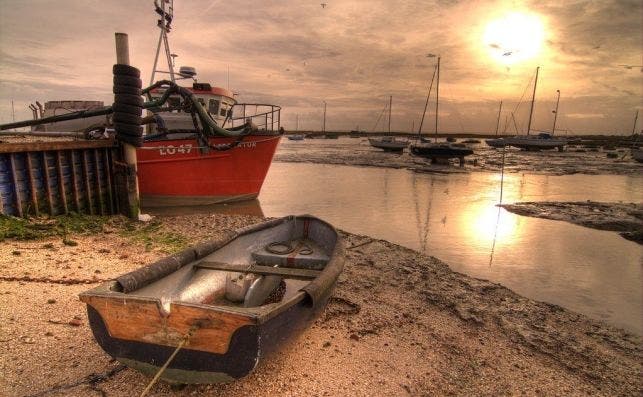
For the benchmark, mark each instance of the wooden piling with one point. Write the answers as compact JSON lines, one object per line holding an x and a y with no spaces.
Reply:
{"x":129,"y":151}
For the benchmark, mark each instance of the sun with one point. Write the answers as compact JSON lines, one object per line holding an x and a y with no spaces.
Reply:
{"x":514,"y":38}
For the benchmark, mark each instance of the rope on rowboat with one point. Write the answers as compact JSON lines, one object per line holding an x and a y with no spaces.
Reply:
{"x":286,"y":247}
{"x":202,"y":147}
{"x":169,"y":360}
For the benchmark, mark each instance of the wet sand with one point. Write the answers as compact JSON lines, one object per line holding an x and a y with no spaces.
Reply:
{"x":399,"y":323}
{"x":627,"y":219}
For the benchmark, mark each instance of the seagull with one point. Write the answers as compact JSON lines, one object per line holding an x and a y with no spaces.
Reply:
{"x":494,"y":45}
{"x":508,"y":53}
{"x":323,"y":5}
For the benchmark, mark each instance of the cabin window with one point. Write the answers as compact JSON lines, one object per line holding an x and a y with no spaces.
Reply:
{"x":223,"y":112}
{"x":214,"y":106}
{"x":230,"y":112}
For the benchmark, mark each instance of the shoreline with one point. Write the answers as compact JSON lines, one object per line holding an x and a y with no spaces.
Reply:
{"x":399,"y":323}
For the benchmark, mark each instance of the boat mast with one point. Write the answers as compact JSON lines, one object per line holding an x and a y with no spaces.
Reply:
{"x":498,"y":122}
{"x":437,"y":96}
{"x":636,"y":117}
{"x":533,"y":98}
{"x":553,"y":130}
{"x":324,"y":123}
{"x":164,"y":25}
{"x":390,"y":105}
{"x":426,"y":104}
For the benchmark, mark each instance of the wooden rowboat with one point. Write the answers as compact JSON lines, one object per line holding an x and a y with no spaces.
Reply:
{"x":226,"y":304}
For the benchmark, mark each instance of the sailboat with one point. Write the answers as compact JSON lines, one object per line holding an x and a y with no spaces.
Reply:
{"x":497,"y":142}
{"x":389,"y":143}
{"x":437,"y":152}
{"x":542,"y":141}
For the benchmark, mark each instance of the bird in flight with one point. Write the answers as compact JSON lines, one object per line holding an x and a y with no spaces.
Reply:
{"x":323,"y":5}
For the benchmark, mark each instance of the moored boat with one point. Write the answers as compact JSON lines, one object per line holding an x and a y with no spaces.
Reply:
{"x":223,"y":305}
{"x":542,"y":141}
{"x":435,"y":151}
{"x":296,"y":137}
{"x":637,"y":155}
{"x":388,"y":144}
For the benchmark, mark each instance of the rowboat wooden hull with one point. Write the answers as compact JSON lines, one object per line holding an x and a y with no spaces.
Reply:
{"x":141,"y":318}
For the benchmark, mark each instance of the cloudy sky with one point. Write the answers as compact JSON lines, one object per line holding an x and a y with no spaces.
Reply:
{"x":351,"y":54}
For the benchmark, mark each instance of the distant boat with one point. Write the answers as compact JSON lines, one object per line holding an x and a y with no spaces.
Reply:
{"x":331,"y":135}
{"x":222,"y":306}
{"x":542,"y":141}
{"x":435,"y":151}
{"x":471,"y":141}
{"x":451,"y":139}
{"x":296,"y":137}
{"x":388,"y":144}
{"x":637,"y":155}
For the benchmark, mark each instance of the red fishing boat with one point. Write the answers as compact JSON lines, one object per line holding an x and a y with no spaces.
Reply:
{"x":179,"y":166}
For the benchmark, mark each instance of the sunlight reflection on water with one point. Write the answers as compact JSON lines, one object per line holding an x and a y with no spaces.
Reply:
{"x":454,"y":218}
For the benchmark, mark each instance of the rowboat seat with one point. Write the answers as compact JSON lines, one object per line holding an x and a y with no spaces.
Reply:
{"x":298,"y":254}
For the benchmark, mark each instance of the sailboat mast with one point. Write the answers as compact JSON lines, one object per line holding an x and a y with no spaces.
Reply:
{"x":390,"y":105}
{"x":498,"y":122}
{"x":553,"y":130}
{"x":426,"y":104}
{"x":437,"y":96}
{"x":636,"y":117}
{"x":533,"y":98}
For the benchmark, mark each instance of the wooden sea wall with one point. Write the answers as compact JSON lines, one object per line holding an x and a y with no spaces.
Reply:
{"x":58,"y":177}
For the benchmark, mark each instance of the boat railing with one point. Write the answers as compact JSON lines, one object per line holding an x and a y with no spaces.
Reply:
{"x":265,"y":117}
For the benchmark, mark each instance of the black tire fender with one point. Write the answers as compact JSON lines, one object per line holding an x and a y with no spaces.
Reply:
{"x":128,"y":129}
{"x":129,"y":99}
{"x":126,"y":89}
{"x":128,"y":80}
{"x":126,"y":70}
{"x":124,"y":108}
{"x":127,"y":118}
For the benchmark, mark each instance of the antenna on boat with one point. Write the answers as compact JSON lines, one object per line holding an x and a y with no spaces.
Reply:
{"x":166,"y":11}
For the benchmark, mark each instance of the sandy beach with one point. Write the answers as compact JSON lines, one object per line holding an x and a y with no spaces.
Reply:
{"x":399,"y":323}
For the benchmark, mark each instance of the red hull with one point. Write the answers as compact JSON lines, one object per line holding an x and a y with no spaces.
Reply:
{"x":175,"y":172}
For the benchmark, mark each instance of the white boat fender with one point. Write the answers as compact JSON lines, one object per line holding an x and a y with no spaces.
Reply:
{"x":260,"y":290}
{"x":237,"y":285}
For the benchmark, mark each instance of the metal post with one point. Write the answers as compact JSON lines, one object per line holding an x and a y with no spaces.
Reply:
{"x":129,"y":151}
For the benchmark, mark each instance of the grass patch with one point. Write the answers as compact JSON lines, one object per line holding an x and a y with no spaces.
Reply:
{"x":152,"y":235}
{"x":42,"y":227}
{"x":149,"y":234}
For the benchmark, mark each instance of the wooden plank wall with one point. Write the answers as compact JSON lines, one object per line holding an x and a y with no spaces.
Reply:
{"x":59,"y":177}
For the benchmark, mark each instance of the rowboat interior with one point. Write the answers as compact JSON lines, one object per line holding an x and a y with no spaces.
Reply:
{"x":252,"y":274}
